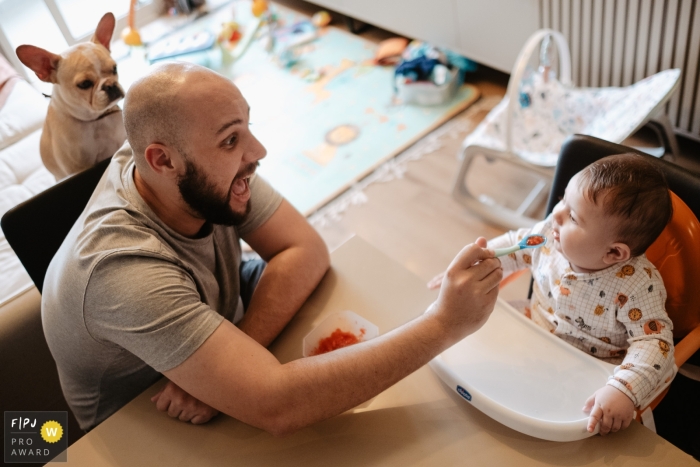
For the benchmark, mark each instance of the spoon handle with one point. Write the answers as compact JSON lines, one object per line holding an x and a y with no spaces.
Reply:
{"x":506,"y":251}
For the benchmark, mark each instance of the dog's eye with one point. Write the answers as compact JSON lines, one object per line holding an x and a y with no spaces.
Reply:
{"x":114,"y":70}
{"x":87,"y":84}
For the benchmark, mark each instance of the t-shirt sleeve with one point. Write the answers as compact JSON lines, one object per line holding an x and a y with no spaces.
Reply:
{"x":148,"y":306}
{"x":264,"y":201}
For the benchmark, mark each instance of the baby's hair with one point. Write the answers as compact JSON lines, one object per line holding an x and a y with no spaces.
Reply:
{"x":635,"y":191}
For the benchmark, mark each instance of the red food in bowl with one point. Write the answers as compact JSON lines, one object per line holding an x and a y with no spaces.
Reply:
{"x":337,"y":340}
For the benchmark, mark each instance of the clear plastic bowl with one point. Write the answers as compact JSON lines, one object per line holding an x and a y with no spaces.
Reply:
{"x":346,"y":321}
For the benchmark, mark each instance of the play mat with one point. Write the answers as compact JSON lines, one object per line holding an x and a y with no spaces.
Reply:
{"x":330,"y":119}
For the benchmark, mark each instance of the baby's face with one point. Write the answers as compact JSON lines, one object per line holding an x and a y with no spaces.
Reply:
{"x":583,"y":233}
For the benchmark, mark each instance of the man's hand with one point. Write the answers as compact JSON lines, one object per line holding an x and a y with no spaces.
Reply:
{"x":436,"y":282}
{"x":611,"y":408}
{"x":469,"y":289}
{"x":181,"y":405}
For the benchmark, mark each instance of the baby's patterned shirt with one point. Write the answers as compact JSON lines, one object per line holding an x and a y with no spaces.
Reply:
{"x":616,"y":314}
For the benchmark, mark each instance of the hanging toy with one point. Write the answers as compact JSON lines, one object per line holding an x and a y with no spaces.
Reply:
{"x":229,"y":35}
{"x":259,"y":8}
{"x":130,"y":35}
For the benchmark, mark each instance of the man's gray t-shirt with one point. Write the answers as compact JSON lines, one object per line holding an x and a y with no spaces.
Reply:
{"x":126,"y":297}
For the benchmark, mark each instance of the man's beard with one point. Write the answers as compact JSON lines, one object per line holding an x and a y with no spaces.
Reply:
{"x":200,"y":194}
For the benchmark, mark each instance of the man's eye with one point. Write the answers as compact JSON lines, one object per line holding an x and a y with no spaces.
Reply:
{"x":114,"y":70}
{"x":87,"y":84}
{"x":231,"y":140}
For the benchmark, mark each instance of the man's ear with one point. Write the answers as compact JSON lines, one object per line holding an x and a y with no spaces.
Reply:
{"x":104,"y":31}
{"x":617,"y":253}
{"x":40,"y":61}
{"x":160,"y":159}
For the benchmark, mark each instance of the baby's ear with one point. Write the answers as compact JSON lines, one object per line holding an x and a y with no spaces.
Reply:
{"x":617,"y":253}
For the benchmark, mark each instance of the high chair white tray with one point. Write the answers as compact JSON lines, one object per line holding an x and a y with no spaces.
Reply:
{"x":524,"y":377}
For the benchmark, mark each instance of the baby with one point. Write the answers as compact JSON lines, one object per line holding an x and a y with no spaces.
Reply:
{"x":595,"y":288}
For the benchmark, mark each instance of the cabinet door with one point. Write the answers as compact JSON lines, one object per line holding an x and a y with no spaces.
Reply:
{"x":493,"y":32}
{"x":432,"y":21}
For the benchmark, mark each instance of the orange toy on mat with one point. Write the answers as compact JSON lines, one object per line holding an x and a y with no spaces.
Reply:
{"x":389,"y":51}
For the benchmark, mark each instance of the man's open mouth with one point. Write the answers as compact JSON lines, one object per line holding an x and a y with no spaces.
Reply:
{"x":241,"y":188}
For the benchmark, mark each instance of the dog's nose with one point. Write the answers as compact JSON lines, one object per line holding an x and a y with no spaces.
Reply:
{"x":113,"y":92}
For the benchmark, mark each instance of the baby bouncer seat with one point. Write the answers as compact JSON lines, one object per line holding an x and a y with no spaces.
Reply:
{"x":540,"y":110}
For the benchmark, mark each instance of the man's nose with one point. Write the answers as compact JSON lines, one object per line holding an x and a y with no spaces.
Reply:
{"x":258,"y":150}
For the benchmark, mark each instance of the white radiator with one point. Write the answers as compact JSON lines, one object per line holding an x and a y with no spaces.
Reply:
{"x":618,"y":42}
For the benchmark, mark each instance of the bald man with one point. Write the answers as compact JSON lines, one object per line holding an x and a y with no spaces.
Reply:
{"x":148,"y":283}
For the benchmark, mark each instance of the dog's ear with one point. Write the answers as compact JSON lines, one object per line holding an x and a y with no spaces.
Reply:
{"x":40,"y":61}
{"x":104,"y":31}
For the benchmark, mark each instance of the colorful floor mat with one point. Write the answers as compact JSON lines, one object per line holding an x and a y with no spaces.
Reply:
{"x":322,"y":136}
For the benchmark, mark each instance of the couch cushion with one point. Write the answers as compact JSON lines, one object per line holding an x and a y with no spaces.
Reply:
{"x":22,"y":175}
{"x":23,"y":113}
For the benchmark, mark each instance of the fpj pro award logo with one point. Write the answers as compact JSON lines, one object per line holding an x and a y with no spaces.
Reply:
{"x":35,"y":436}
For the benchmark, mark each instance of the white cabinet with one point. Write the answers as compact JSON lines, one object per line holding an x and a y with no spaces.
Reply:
{"x":487,"y":31}
{"x":432,"y":21}
{"x":492,"y":32}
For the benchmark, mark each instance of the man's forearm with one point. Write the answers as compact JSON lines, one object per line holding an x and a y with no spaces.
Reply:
{"x":234,"y":374}
{"x":284,"y":286}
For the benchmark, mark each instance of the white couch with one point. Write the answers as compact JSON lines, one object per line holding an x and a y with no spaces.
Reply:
{"x":22,"y":175}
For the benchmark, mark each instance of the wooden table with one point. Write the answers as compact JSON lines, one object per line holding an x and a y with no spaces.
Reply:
{"x":418,"y":421}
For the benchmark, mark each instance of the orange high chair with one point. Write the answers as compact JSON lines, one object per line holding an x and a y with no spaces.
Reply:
{"x":675,"y":253}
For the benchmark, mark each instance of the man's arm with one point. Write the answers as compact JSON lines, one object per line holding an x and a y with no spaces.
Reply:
{"x":297,"y":259}
{"x":239,"y":377}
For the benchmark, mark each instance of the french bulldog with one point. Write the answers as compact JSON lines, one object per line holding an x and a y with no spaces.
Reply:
{"x":83,"y":123}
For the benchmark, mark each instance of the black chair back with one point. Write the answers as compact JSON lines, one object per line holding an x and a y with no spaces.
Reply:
{"x":36,"y":228}
{"x":579,"y":151}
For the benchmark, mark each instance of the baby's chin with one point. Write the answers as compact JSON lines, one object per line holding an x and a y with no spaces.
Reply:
{"x":574,"y":267}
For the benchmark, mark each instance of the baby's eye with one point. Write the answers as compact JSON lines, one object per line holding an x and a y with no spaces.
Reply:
{"x":87,"y":84}
{"x":572,"y":218}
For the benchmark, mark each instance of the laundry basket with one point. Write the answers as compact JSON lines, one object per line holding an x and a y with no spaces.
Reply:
{"x":540,"y":110}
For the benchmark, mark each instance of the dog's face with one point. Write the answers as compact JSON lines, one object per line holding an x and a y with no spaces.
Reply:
{"x":88,"y":78}
{"x":84,"y":76}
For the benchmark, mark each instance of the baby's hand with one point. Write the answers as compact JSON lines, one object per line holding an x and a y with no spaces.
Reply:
{"x":436,"y":282}
{"x":611,"y":408}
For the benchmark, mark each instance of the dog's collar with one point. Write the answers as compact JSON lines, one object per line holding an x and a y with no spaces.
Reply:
{"x":111,"y":110}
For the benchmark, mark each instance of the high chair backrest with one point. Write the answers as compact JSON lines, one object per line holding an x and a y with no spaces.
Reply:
{"x":676,"y":253}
